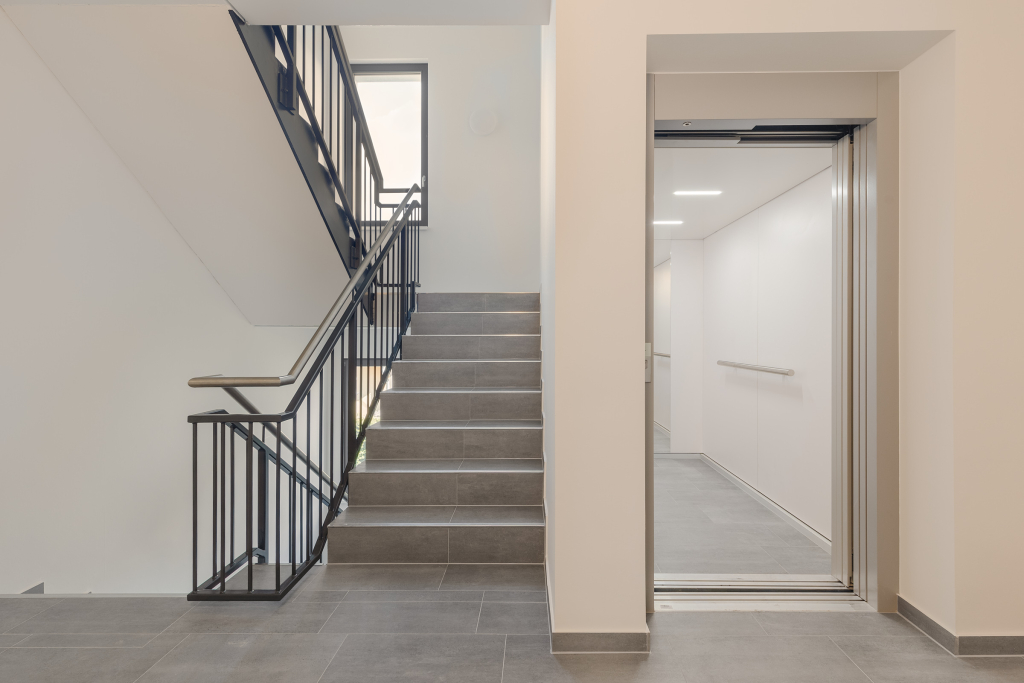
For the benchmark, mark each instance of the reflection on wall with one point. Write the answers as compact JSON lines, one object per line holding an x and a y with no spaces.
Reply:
{"x":663,"y":345}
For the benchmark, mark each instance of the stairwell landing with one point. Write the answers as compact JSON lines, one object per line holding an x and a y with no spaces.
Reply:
{"x":453,"y":471}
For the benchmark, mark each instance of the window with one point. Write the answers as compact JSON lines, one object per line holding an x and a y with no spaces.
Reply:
{"x":394,"y":98}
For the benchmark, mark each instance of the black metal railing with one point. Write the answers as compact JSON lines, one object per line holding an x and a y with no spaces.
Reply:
{"x":307,"y":76}
{"x":266,"y":486}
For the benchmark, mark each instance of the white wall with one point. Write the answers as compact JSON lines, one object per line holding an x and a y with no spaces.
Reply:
{"x":106,"y":315}
{"x":484,"y":195}
{"x":767,"y":301}
{"x":662,"y":375}
{"x":688,"y":346}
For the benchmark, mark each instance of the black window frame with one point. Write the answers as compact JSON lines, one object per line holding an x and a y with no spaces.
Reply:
{"x":398,"y":68}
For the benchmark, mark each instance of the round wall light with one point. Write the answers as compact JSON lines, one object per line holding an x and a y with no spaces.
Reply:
{"x":483,"y":121}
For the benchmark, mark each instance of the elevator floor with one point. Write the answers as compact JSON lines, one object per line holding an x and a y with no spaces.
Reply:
{"x":705,"y":524}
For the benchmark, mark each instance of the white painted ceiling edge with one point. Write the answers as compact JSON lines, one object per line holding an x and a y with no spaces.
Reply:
{"x":781,"y":52}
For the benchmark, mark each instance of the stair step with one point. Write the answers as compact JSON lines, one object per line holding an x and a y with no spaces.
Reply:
{"x":460,"y":404}
{"x":437,"y":534}
{"x":466,"y":373}
{"x":471,"y":347}
{"x":475,"y":323}
{"x":478,"y":302}
{"x":458,"y":439}
{"x":447,"y":482}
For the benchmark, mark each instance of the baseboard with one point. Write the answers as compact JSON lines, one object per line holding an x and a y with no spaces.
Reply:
{"x":594,"y":643}
{"x":962,"y":646}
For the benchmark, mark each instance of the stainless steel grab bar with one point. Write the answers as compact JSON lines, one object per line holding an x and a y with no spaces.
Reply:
{"x":758,"y":368}
{"x":321,"y":332}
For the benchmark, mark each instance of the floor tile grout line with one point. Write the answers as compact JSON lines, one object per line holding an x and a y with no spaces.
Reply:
{"x":331,"y":660}
{"x":321,"y":629}
{"x":845,"y":654}
{"x":59,"y":601}
{"x":504,"y":650}
{"x":183,"y":639}
{"x":479,"y":615}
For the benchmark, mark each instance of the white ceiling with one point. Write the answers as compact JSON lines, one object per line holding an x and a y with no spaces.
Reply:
{"x":747,"y":177}
{"x":764,"y":52}
{"x":172,"y":91}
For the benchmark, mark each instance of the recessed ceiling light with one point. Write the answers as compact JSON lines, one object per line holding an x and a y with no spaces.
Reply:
{"x":668,"y":222}
{"x":695,"y":193}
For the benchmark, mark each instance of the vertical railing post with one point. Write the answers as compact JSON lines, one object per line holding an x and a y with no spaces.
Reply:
{"x":404,"y":274}
{"x":352,"y":409}
{"x":262,"y":510}
{"x":195,"y":506}
{"x":248,"y":503}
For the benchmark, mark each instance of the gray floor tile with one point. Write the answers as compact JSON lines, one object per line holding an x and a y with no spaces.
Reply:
{"x":10,"y":640}
{"x":802,"y":559}
{"x":14,"y":611}
{"x":515,"y":596}
{"x":255,"y":617}
{"x":511,"y":577}
{"x":754,"y":659}
{"x":84,"y":665}
{"x":521,"y":618}
{"x":834,"y":624}
{"x":283,"y":658}
{"x":404,"y":617}
{"x":915,"y":659}
{"x":998,"y":669}
{"x":498,"y":514}
{"x":528,"y":659}
{"x":87,"y":640}
{"x":319,"y":596}
{"x":704,"y":624}
{"x":378,"y":577}
{"x":106,"y":615}
{"x":417,"y":658}
{"x":414,"y":596}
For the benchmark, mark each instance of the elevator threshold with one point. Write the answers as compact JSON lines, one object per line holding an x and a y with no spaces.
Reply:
{"x":754,"y":593}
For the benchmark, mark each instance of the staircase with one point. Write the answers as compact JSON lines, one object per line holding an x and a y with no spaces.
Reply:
{"x":453,"y":470}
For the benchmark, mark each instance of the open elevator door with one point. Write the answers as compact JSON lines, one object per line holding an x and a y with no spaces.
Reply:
{"x":850,"y":189}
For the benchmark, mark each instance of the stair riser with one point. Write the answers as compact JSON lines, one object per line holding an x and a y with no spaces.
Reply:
{"x":420,"y":544}
{"x":473,"y":302}
{"x":520,"y":374}
{"x":444,"y":444}
{"x":416,"y":347}
{"x":475,"y":323}
{"x":460,"y":406}
{"x":446,"y":488}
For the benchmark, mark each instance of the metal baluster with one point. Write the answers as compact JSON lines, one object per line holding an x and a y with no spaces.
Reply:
{"x":309,"y":480}
{"x":231,"y":440}
{"x":276,"y":508}
{"x":213,"y":559}
{"x":248,"y":502}
{"x":293,"y":495}
{"x":223,"y":503}
{"x":195,"y":507}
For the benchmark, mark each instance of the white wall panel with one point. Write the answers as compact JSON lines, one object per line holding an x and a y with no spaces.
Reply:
{"x":687,"y":346}
{"x":730,"y":333}
{"x":794,"y":330}
{"x":663,"y":344}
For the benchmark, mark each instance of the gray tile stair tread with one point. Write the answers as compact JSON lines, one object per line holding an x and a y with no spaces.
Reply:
{"x":458,"y":424}
{"x":453,"y":465}
{"x":441,"y":515}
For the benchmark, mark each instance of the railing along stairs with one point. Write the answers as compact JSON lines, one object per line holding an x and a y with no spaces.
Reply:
{"x":265,"y":486}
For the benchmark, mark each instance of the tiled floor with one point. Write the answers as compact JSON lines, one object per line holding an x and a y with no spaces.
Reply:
{"x":705,"y":524}
{"x":421,"y":624}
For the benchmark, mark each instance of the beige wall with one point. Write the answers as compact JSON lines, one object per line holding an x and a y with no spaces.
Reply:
{"x":927,"y":575}
{"x":599,"y":133}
